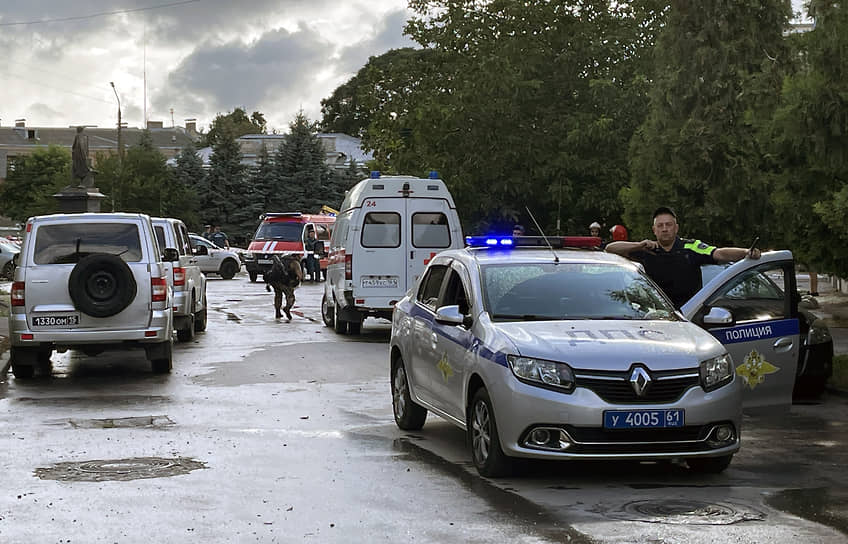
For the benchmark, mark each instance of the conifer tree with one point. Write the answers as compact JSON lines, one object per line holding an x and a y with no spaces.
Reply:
{"x":227,"y":177}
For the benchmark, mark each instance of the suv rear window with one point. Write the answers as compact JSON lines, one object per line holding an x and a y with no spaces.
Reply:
{"x":68,"y":243}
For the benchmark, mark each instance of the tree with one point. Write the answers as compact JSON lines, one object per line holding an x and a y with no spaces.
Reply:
{"x":262,"y":187}
{"x":33,"y":180}
{"x":228,"y":192}
{"x":719,"y":67}
{"x":303,"y":174}
{"x":520,"y":104}
{"x":234,"y":124}
{"x":188,"y":175}
{"x":809,"y":144}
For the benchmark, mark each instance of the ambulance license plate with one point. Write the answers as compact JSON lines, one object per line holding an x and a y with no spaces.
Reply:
{"x":380,"y":282}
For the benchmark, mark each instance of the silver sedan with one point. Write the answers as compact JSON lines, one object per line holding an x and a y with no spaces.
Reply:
{"x":560,"y":353}
{"x":214,"y":259}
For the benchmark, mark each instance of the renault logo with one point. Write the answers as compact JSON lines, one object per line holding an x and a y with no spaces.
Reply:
{"x":640,"y":381}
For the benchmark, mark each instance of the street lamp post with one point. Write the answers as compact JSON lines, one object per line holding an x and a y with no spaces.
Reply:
{"x":120,"y":144}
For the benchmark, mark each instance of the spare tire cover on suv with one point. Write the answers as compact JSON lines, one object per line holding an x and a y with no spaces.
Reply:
{"x":101,"y":285}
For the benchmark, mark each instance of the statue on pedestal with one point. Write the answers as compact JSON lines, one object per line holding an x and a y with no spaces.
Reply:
{"x":81,"y":170}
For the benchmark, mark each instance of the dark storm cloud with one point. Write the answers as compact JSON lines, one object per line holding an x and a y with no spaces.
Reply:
{"x":389,"y":35}
{"x":237,"y":75}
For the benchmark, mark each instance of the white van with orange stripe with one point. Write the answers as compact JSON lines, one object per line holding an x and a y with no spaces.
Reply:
{"x":387,"y":230}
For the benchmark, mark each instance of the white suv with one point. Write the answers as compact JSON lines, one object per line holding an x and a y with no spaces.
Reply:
{"x":184,"y":277}
{"x":92,"y":282}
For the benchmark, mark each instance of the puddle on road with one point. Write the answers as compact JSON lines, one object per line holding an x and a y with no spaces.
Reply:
{"x":119,"y":470}
{"x":116,"y":423}
{"x":685,"y":512}
{"x":813,"y":504}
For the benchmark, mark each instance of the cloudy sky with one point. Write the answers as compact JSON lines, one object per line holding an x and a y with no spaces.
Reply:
{"x":200,"y":57}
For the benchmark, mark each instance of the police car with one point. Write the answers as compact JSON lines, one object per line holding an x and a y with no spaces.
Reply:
{"x":539,"y":349}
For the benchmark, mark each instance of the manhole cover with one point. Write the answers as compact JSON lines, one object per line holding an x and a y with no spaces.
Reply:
{"x":686,"y":512}
{"x":118,"y":469}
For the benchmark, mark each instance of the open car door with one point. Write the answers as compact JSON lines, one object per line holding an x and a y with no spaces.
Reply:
{"x":752,"y":307}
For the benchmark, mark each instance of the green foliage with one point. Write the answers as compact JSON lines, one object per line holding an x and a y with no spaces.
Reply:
{"x":227,"y":194}
{"x":515,"y":104}
{"x":33,"y":180}
{"x":809,"y":145}
{"x":304,"y":179}
{"x":718,"y":67}
{"x":234,"y":124}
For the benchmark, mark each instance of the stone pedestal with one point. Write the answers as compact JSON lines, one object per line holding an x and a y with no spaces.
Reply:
{"x":79,"y":199}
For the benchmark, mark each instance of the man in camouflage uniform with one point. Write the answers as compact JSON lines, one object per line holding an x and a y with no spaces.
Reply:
{"x":285,"y":275}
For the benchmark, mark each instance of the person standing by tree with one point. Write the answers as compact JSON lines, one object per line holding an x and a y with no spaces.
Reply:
{"x":675,"y":263}
{"x":219,"y":238}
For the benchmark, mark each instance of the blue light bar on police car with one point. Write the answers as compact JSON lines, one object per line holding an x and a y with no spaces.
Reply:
{"x":557,"y":242}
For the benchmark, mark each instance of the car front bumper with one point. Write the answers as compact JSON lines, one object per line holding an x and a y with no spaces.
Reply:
{"x":579,"y":416}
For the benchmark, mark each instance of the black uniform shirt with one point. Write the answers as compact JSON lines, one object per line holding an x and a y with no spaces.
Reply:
{"x":678,"y":271}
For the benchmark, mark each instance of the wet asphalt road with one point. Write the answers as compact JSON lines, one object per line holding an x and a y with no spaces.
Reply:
{"x":269,"y":431}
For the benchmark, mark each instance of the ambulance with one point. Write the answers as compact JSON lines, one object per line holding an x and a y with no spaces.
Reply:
{"x":387,"y":230}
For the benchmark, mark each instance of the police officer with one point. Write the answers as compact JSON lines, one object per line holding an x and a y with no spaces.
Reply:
{"x":675,"y":263}
{"x":285,"y":275}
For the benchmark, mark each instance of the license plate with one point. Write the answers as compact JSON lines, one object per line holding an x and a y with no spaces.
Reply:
{"x":642,"y":419}
{"x":67,"y":320}
{"x":264,"y":261}
{"x":388,"y":282}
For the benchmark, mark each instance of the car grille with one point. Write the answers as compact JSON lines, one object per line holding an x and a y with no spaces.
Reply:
{"x":615,"y":387}
{"x":639,"y":441}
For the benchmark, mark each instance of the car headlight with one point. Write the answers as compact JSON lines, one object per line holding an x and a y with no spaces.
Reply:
{"x":542,"y":373}
{"x":716,"y":372}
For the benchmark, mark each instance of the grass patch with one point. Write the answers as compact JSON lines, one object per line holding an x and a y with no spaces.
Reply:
{"x":839,"y":379}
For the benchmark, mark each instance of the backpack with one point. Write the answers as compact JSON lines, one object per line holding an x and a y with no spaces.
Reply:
{"x":282,"y":272}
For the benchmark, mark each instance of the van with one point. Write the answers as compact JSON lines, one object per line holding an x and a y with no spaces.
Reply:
{"x":185,"y":278}
{"x":285,"y":233}
{"x":387,"y":230}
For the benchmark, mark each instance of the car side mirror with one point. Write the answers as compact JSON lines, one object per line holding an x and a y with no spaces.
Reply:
{"x":718,"y":316}
{"x":449,"y":315}
{"x":201,"y":250}
{"x":170,"y":255}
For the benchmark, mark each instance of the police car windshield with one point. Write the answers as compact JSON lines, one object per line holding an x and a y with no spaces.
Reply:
{"x":565,"y":291}
{"x":284,"y":232}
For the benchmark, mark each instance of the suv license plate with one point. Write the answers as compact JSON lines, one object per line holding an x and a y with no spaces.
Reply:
{"x":67,"y":320}
{"x":642,"y":419}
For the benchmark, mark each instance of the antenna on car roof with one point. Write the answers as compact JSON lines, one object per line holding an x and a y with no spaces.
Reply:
{"x":556,"y":259}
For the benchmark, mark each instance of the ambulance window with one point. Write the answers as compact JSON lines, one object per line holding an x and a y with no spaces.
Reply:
{"x":381,"y":229}
{"x":430,"y":230}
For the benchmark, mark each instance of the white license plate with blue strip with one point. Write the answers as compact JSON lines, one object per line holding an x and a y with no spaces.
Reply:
{"x":643,"y":419}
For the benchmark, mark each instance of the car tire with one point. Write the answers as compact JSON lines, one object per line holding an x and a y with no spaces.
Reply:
{"x":228,"y":269}
{"x":24,"y":361}
{"x":709,"y":465}
{"x":326,"y":312}
{"x":8,"y":271}
{"x":483,"y":438}
{"x":354,"y":327}
{"x":186,"y":334}
{"x":45,"y":365}
{"x":160,"y":356}
{"x":339,"y":324}
{"x":409,"y":416}
{"x":102,"y":285}
{"x":201,"y":318}
{"x":253,"y":276}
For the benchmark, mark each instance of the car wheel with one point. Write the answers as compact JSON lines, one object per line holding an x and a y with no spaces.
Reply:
{"x":339,"y":324}
{"x":326,"y":312}
{"x":45,"y":365}
{"x":186,"y":334}
{"x":408,"y":415}
{"x":486,"y":451}
{"x":354,"y":327}
{"x":709,"y":465}
{"x":228,"y":269}
{"x":160,"y":356}
{"x":201,"y":318}
{"x":24,"y":361}
{"x":8,"y":271}
{"x":101,"y":285}
{"x":253,"y":276}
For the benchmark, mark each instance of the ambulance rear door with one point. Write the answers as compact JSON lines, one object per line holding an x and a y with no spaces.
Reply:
{"x":431,"y":226}
{"x":378,"y":264}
